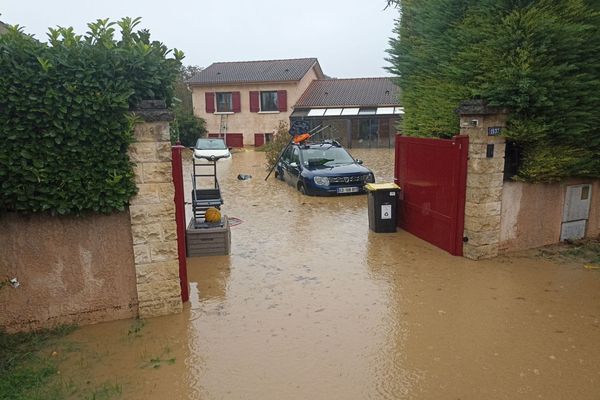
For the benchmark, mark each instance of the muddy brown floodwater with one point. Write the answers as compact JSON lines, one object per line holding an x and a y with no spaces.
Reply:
{"x":312,"y":305}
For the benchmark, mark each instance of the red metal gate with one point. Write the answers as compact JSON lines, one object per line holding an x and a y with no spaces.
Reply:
{"x":433,"y":176}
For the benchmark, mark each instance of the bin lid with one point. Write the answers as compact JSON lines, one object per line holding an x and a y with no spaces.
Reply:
{"x":381,"y":186}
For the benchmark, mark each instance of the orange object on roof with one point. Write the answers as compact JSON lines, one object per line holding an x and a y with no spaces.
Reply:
{"x":301,"y":138}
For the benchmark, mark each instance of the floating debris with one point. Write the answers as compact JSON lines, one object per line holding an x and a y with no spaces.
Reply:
{"x":233,"y":221}
{"x":244,"y":177}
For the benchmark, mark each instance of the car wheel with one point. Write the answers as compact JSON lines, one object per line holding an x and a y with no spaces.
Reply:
{"x":278,"y":176}
{"x":302,"y":189}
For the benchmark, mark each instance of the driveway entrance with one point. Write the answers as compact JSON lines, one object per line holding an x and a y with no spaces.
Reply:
{"x":312,"y":305}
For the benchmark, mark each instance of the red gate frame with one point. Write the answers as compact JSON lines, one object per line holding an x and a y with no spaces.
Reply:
{"x":177,"y":172}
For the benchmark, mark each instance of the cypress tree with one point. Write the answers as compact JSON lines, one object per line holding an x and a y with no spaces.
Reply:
{"x":540,"y":59}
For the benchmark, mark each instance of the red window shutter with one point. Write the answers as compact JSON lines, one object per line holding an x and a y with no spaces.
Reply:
{"x":282,"y":100}
{"x":237,"y":103}
{"x":254,"y":103}
{"x":210,"y":102}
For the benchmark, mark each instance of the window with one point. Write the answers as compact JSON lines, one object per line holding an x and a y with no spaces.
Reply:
{"x":296,"y":156}
{"x":367,"y":111}
{"x":268,"y":101}
{"x":287,"y":155}
{"x":224,"y":102}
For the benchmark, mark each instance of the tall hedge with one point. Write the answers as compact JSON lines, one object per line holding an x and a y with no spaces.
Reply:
{"x":540,"y":59}
{"x":65,"y":121}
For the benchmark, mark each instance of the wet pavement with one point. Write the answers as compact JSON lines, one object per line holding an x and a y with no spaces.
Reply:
{"x":312,"y":305}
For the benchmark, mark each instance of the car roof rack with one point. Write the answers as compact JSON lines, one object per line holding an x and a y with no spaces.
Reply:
{"x":330,"y":142}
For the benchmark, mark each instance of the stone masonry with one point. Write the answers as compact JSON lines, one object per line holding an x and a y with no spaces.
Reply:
{"x":484,"y":126}
{"x":152,"y":213}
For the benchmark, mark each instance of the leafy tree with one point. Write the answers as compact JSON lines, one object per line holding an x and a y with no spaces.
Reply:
{"x":187,"y":127}
{"x":540,"y":59}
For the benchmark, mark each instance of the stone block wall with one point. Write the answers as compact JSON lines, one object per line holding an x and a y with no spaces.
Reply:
{"x":484,"y":178}
{"x":152,"y":211}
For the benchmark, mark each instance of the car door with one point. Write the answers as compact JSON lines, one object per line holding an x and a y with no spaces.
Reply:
{"x":282,"y":165}
{"x":293,"y":167}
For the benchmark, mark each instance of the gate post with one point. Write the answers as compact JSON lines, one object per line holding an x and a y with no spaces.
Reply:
{"x":485,"y":174}
{"x":152,"y":213}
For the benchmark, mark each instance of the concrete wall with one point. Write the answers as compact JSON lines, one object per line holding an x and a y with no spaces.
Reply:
{"x":532,"y":213}
{"x":247,"y":122}
{"x":70,"y":269}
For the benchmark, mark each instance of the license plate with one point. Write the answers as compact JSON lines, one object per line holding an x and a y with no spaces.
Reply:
{"x":353,"y":189}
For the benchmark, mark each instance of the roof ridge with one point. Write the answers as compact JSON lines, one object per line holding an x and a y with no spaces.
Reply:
{"x":257,"y":61}
{"x":356,"y":79}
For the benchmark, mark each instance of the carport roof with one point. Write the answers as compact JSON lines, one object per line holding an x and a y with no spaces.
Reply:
{"x":350,"y":92}
{"x":226,"y":73}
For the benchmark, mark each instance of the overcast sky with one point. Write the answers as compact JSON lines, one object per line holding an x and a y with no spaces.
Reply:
{"x":349,"y":37}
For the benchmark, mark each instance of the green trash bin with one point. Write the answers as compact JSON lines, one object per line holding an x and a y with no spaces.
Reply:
{"x":383,"y":205}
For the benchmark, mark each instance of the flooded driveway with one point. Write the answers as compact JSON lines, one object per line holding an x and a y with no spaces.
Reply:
{"x":312,"y":305}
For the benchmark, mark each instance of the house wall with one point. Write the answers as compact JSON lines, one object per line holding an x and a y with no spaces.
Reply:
{"x":532,"y":213}
{"x":246,"y":122}
{"x":70,"y":269}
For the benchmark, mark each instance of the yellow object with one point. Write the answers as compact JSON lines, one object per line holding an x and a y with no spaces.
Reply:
{"x":381,"y":186}
{"x":212,"y":215}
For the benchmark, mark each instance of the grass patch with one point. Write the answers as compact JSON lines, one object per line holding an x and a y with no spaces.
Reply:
{"x":29,"y":368}
{"x":105,"y":392}
{"x":26,"y":372}
{"x":136,"y":328}
{"x":586,"y":251}
{"x":163,"y":359}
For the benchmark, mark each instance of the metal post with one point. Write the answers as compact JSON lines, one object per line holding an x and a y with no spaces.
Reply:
{"x":177,"y":171}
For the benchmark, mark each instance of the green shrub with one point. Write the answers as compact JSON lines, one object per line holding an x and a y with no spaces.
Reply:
{"x":65,"y":122}
{"x":273,"y":149}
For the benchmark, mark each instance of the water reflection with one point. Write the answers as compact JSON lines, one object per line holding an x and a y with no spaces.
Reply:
{"x":208,"y":277}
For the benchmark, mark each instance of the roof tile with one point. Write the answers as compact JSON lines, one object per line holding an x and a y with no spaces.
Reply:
{"x":254,"y":71}
{"x":350,"y":92}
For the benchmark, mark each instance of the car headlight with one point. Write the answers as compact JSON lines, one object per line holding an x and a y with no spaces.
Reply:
{"x":370,"y":178}
{"x":322,"y":180}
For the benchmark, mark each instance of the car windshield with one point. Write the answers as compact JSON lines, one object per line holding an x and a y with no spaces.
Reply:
{"x":326,"y":155}
{"x":210,"y":144}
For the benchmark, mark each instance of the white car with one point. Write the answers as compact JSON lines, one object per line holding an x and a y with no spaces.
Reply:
{"x":211,"y":150}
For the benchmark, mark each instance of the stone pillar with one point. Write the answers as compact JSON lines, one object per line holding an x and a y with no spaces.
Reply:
{"x":484,"y":125}
{"x":152,"y":212}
